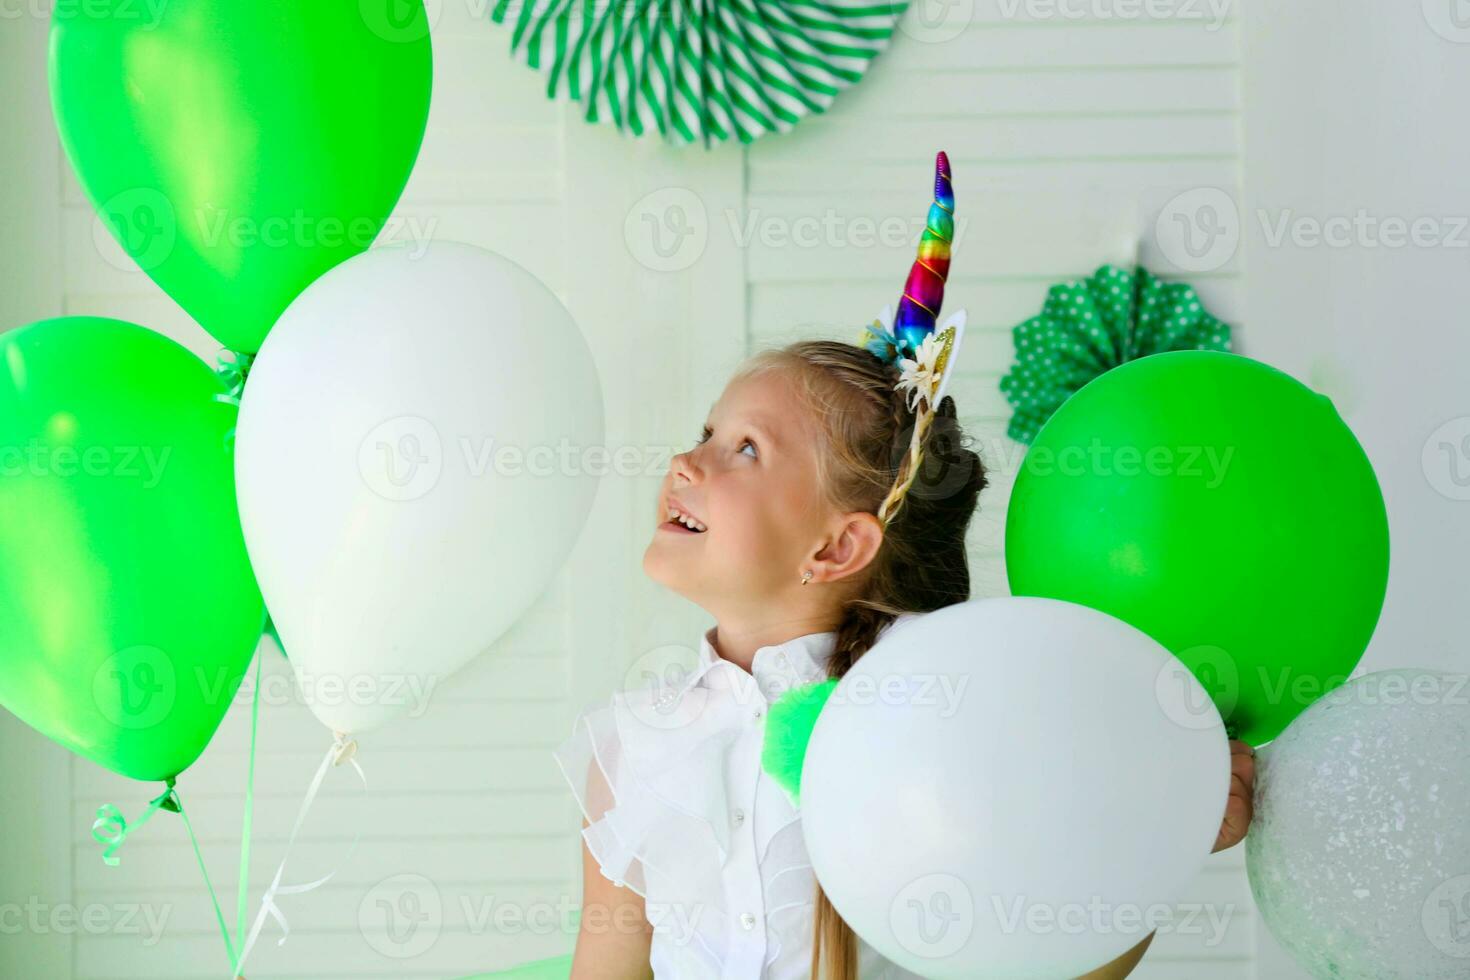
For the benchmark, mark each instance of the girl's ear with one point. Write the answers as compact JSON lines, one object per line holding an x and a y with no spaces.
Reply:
{"x":852,"y":548}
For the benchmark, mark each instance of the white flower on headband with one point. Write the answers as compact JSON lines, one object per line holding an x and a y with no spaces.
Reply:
{"x":921,"y":375}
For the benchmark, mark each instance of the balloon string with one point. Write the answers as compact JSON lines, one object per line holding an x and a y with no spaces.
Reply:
{"x":111,"y":829}
{"x":219,"y":916}
{"x":243,"y":891}
{"x":342,"y":750}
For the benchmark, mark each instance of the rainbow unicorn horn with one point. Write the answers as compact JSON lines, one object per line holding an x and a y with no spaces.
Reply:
{"x":923,"y":293}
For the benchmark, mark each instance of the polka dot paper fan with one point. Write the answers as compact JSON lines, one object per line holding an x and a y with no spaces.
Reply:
{"x":699,"y":70}
{"x":1092,"y":326}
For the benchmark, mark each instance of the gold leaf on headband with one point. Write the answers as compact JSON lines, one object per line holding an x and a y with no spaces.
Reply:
{"x":946,"y":346}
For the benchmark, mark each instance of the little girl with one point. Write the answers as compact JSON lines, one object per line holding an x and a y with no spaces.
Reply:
{"x":825,"y":501}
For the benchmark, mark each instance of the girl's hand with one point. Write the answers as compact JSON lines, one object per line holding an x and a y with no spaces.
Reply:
{"x":1238,"y":804}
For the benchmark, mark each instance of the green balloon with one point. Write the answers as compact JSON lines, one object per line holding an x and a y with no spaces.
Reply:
{"x":128,"y":608}
{"x":1220,"y":506}
{"x":238,"y":150}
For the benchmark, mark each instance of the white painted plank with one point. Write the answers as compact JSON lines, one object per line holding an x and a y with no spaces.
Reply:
{"x":983,"y":91}
{"x":1029,"y":138}
{"x":993,"y":47}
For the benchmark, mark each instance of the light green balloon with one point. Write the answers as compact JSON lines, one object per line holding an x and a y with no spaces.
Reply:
{"x":128,"y":609}
{"x":1220,"y":506}
{"x":556,"y":968}
{"x":238,"y":150}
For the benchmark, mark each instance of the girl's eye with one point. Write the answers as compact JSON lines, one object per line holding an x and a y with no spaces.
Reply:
{"x":707,"y":432}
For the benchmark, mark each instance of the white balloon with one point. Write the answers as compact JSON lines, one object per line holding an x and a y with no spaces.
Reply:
{"x":412,"y":468}
{"x":1359,"y":848}
{"x":1012,"y":787}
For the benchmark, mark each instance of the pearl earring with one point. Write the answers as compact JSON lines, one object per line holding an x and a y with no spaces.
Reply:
{"x":806,"y":577}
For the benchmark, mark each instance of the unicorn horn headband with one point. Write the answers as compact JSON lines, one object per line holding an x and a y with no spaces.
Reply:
{"x":923,"y":353}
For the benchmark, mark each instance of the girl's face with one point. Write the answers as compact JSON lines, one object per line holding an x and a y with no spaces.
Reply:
{"x":751,"y":482}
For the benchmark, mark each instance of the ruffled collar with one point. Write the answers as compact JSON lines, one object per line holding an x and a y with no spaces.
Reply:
{"x":775,"y":668}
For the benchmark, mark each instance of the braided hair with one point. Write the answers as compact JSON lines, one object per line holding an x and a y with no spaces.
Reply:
{"x":866,"y":434}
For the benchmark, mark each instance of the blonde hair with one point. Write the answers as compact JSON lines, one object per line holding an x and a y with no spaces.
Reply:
{"x":866,"y":433}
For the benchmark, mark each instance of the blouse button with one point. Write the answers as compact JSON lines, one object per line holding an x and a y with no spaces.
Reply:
{"x":747,"y":920}
{"x":759,"y":713}
{"x":739,"y":816}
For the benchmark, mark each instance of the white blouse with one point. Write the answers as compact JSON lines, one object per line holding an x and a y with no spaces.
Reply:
{"x":679,"y":809}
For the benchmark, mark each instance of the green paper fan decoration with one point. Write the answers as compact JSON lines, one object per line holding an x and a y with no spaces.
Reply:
{"x":789,"y":728}
{"x":699,"y":70}
{"x":1089,"y":327}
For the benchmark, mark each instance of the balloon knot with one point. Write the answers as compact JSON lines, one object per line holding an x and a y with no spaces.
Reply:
{"x":345,"y":746}
{"x":234,"y":368}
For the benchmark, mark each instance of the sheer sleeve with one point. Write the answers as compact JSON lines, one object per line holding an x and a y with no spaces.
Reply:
{"x":650,"y":779}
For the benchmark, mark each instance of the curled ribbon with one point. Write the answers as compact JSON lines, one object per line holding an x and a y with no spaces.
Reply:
{"x":234,"y":368}
{"x":111,"y":828}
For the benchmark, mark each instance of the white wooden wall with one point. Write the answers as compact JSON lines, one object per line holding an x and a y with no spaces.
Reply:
{"x":1067,"y":135}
